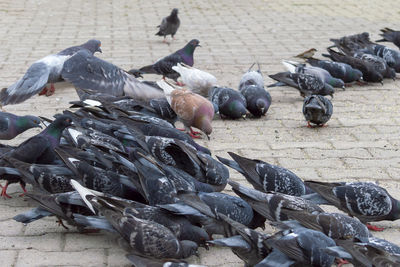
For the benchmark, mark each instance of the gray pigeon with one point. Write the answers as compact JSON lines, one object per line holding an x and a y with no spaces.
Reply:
{"x":252,"y":77}
{"x":338,"y":70}
{"x":44,"y":71}
{"x":366,"y":201}
{"x":390,"y":35}
{"x":86,"y":71}
{"x":12,"y":125}
{"x":228,"y":102}
{"x":169,"y":25}
{"x":317,"y":109}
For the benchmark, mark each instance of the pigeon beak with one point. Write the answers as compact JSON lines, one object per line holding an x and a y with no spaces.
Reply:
{"x":344,"y":87}
{"x":99,"y":50}
{"x":197,"y":254}
{"x":39,"y":126}
{"x":208,"y":137}
{"x":198,"y":45}
{"x":244,"y":116}
{"x":382,"y":82}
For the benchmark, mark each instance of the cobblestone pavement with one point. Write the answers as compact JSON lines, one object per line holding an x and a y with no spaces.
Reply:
{"x":361,"y":142}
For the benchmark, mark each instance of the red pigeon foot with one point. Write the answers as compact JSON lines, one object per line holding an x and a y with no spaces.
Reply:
{"x":180,"y":83}
{"x":4,"y":191}
{"x":51,"y":90}
{"x":24,"y":189}
{"x":44,"y":91}
{"x":194,"y":132}
{"x":195,"y":136}
{"x":375,"y":228}
{"x":61,"y":223}
{"x":341,"y":262}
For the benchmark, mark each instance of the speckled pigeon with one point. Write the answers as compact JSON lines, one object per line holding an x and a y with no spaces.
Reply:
{"x":390,"y":35}
{"x":366,"y":201}
{"x":44,"y":71}
{"x":198,"y":81}
{"x":306,"y":84}
{"x":338,"y":70}
{"x":37,"y":149}
{"x":229,"y":103}
{"x":266,"y":177}
{"x":378,"y":63}
{"x":317,"y":109}
{"x":192,"y":109}
{"x":270,"y":204}
{"x":169,"y":25}
{"x":86,"y":71}
{"x":164,"y":65}
{"x":12,"y":125}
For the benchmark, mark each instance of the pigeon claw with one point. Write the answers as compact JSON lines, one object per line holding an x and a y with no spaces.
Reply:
{"x":341,"y":262}
{"x":4,"y":191}
{"x":51,"y":90}
{"x":375,"y":228}
{"x":24,"y":189}
{"x":44,"y":91}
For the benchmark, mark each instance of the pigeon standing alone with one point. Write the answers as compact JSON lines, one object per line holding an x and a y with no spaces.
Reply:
{"x":12,"y":125}
{"x":44,"y":71}
{"x":164,"y":65}
{"x":317,"y":109}
{"x":169,"y":25}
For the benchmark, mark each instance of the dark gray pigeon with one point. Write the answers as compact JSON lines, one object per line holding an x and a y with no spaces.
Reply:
{"x":164,"y":65}
{"x":228,"y":102}
{"x":390,"y":35}
{"x":12,"y":125}
{"x":86,"y":71}
{"x":366,"y":201}
{"x":338,"y":70}
{"x":306,"y":84}
{"x":266,"y":177}
{"x":169,"y":25}
{"x":317,"y":109}
{"x":44,"y":71}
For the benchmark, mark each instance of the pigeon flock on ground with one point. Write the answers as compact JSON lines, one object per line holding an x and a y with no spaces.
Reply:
{"x":114,"y":161}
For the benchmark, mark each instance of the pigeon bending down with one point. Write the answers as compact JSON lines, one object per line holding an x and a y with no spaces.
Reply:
{"x":164,"y":65}
{"x":339,"y":70}
{"x":317,"y":109}
{"x":198,"y":81}
{"x":12,"y":125}
{"x":307,"y":84}
{"x":44,"y":71}
{"x":192,"y":109}
{"x":266,"y":177}
{"x":228,"y":102}
{"x":86,"y":71}
{"x":390,"y":35}
{"x":252,"y":77}
{"x":366,"y":201}
{"x":37,"y":149}
{"x":169,"y":25}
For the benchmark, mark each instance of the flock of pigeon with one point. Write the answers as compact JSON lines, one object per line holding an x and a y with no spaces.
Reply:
{"x":115,"y":161}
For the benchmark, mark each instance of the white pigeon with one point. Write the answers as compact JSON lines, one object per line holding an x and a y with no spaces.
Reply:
{"x":198,"y":81}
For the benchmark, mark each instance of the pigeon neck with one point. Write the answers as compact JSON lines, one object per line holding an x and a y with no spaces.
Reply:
{"x":22,"y":123}
{"x":53,"y":132}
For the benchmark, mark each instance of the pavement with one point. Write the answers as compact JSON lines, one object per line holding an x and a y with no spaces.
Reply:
{"x":360,"y":143}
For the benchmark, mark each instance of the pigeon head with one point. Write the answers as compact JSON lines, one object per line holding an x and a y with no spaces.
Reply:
{"x":189,"y":248}
{"x":93,"y":46}
{"x":327,"y":90}
{"x":174,"y":12}
{"x":203,"y":117}
{"x":28,"y":122}
{"x":262,"y":105}
{"x":355,"y":75}
{"x":391,"y":73}
{"x":237,"y":109}
{"x":196,"y":234}
{"x":337,"y":83}
{"x":62,"y":122}
{"x":191,"y":46}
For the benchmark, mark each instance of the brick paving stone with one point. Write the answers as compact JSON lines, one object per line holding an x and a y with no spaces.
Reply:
{"x":360,"y":142}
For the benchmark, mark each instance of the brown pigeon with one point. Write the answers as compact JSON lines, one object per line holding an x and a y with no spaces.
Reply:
{"x":192,"y":109}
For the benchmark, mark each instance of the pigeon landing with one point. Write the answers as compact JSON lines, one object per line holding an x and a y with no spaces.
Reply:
{"x":164,"y":65}
{"x":317,"y":109}
{"x":12,"y":125}
{"x":169,"y":25}
{"x":44,"y":71}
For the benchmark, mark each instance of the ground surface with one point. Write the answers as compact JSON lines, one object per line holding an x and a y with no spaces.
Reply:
{"x":361,"y":142}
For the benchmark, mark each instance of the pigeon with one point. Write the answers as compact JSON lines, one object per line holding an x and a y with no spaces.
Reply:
{"x":230,"y":103}
{"x":366,"y":201}
{"x":317,"y":109}
{"x":266,"y":177}
{"x":378,"y":63}
{"x":37,"y":149}
{"x":338,"y":70}
{"x":299,"y":245}
{"x":12,"y":125}
{"x":144,"y":237}
{"x":334,"y":225}
{"x":306,"y":84}
{"x":364,"y":254}
{"x":169,"y":25}
{"x":192,"y":109}
{"x":370,"y":74}
{"x":270,"y":205}
{"x":252,"y":77}
{"x":44,"y":71}
{"x":307,"y":54}
{"x":198,"y":81}
{"x":391,"y":56}
{"x":324,"y":75}
{"x":390,"y":35}
{"x":258,"y":100}
{"x":164,"y":65}
{"x":86,"y":71}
